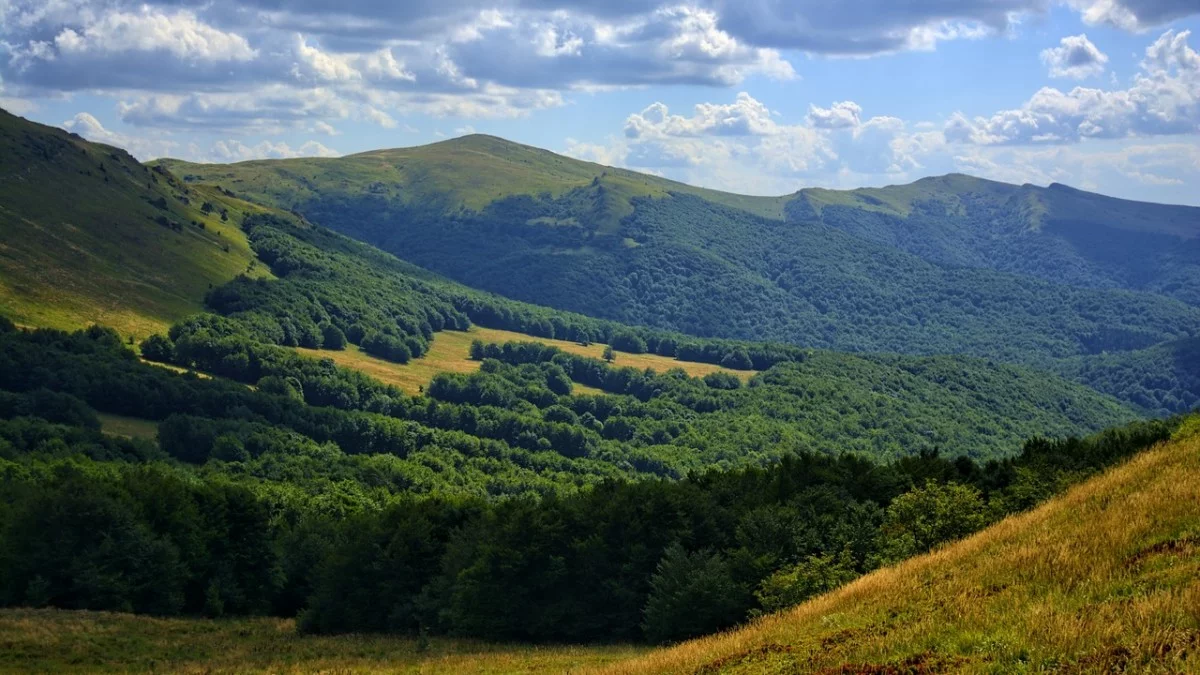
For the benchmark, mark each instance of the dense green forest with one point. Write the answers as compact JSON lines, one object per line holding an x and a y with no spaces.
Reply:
{"x":252,"y":502}
{"x":1056,"y":233}
{"x":884,"y":406}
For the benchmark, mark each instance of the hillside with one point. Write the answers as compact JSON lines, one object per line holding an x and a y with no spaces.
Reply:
{"x":91,"y":235}
{"x":1105,"y":578}
{"x":945,"y":265}
{"x":1054,"y":233}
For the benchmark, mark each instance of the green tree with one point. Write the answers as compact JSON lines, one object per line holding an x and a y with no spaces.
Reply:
{"x":793,"y":585}
{"x":332,"y":337}
{"x":158,"y":348}
{"x":692,"y":594}
{"x":609,"y":354}
{"x":477,"y":350}
{"x":924,"y":517}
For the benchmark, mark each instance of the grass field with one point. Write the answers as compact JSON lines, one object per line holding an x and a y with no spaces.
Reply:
{"x":450,"y":352}
{"x":129,"y":427}
{"x":57,"y":641}
{"x":1104,"y":579}
{"x":79,"y":241}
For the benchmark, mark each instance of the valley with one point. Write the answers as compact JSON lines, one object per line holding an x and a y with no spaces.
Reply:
{"x":477,"y":407}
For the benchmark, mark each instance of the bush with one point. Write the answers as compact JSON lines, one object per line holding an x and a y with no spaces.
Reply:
{"x":332,"y":337}
{"x":158,"y":348}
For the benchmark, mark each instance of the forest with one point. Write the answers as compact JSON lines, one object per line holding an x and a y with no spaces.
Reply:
{"x":252,"y":502}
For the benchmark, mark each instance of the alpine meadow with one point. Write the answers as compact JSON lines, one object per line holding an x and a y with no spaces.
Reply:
{"x":732,"y":383}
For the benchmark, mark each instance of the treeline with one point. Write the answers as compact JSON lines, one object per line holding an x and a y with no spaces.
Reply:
{"x":653,"y":560}
{"x":331,"y":291}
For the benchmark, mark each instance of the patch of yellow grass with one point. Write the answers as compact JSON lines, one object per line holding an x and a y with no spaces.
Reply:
{"x":450,"y":353}
{"x":1105,"y":578}
{"x":99,"y":642}
{"x":129,"y":427}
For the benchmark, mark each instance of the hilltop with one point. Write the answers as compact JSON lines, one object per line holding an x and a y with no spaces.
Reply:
{"x":1105,"y":578}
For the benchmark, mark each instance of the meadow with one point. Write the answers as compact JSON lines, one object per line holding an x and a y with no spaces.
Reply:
{"x":449,"y":352}
{"x":59,"y":641}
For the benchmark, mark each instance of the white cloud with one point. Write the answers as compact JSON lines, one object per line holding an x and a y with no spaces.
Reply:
{"x":744,"y":117}
{"x":838,"y":116}
{"x":236,"y":151}
{"x":1134,"y":14}
{"x":1163,"y":100}
{"x":179,"y":34}
{"x":1075,"y":57}
{"x":143,"y":147}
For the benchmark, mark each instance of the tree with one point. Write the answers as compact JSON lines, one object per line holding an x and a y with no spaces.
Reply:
{"x":477,"y":350}
{"x":609,"y":354}
{"x":692,"y":594}
{"x":793,"y":585}
{"x":738,"y":359}
{"x":924,"y":517}
{"x":158,"y":348}
{"x":332,"y":337}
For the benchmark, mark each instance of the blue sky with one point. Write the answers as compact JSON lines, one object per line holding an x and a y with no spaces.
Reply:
{"x":755,"y":96}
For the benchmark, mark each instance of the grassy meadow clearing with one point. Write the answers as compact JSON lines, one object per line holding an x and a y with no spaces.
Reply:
{"x":450,"y":352}
{"x":128,"y":427}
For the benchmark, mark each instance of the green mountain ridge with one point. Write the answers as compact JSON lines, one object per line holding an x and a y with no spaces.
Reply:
{"x":947,"y":264}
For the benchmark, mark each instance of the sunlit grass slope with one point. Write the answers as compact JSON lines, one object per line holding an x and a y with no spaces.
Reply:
{"x":89,"y":235}
{"x":468,"y":172}
{"x":56,"y":641}
{"x":1103,"y":579}
{"x":450,"y":353}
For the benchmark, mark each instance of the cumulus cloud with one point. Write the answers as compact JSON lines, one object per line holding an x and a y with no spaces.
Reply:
{"x":1075,"y":57}
{"x":236,"y":151}
{"x":743,"y":146}
{"x":744,"y":117}
{"x":85,"y":124}
{"x":1134,"y":14}
{"x":1163,"y":100}
{"x":838,"y":116}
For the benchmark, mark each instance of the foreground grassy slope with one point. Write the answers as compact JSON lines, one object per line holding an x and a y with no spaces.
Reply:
{"x":89,"y":235}
{"x":1105,"y":578}
{"x":40,"y":641}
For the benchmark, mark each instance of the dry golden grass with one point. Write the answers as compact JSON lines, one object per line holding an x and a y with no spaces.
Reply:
{"x":1105,"y":578}
{"x":450,"y":352}
{"x":129,"y":427}
{"x":58,"y":641}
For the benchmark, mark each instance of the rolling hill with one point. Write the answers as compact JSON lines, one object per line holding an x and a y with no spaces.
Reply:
{"x":1105,"y":578}
{"x":945,"y":265}
{"x":88,"y":234}
{"x":306,"y":281}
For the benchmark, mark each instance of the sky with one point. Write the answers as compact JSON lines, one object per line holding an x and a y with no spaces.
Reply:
{"x":750,"y":96}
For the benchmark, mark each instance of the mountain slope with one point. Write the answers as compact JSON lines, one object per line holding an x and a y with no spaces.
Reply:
{"x":914,"y":269}
{"x":1103,"y":579}
{"x":91,"y":235}
{"x":1056,"y":234}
